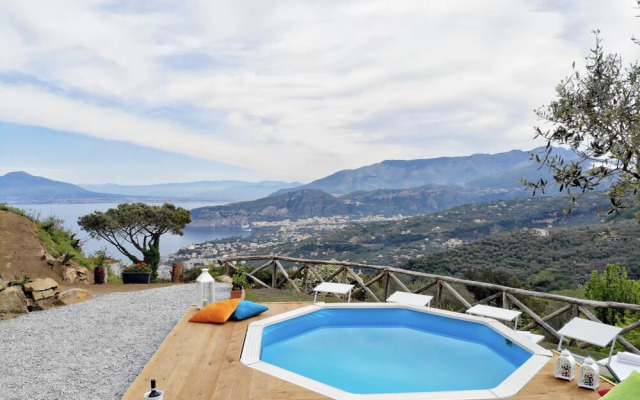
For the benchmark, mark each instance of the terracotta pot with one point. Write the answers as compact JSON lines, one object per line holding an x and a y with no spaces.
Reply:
{"x":237,"y":294}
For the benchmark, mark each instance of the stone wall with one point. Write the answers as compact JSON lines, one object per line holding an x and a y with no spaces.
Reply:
{"x":35,"y":295}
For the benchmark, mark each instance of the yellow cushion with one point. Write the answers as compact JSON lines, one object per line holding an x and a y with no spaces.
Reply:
{"x":217,"y":313}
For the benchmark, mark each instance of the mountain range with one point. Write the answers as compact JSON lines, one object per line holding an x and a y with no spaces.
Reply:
{"x":21,"y":187}
{"x":389,"y":187}
{"x":221,"y":191}
{"x":501,"y":170}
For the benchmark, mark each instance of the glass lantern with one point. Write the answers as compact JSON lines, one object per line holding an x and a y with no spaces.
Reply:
{"x":589,"y":374}
{"x":205,"y":289}
{"x":565,"y":366}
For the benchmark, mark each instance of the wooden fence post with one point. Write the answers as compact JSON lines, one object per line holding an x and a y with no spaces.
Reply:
{"x":177,"y":273}
{"x":274,"y":274}
{"x":386,"y":284}
{"x":305,"y":277}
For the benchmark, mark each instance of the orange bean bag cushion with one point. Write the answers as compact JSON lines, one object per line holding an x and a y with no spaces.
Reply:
{"x":217,"y":313}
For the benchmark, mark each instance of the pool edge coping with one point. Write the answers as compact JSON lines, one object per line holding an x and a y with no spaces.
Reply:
{"x":250,"y":357}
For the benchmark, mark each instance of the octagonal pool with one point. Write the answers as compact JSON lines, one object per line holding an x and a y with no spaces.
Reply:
{"x":362,"y":351}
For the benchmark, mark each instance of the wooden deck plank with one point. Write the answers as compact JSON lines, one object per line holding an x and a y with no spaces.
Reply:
{"x":259,"y":385}
{"x":242,"y":384}
{"x":201,"y":361}
{"x":226,"y":378}
{"x":184,"y":365}
{"x":198,"y":372}
{"x":173,"y":349}
{"x":215,"y":364}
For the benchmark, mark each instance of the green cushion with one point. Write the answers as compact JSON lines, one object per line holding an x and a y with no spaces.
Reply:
{"x":627,"y":389}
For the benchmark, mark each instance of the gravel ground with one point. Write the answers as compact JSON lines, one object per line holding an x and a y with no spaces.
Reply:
{"x":92,"y":350}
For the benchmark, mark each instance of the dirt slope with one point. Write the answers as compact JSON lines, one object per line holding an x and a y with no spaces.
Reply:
{"x":21,"y":254}
{"x":20,"y":249}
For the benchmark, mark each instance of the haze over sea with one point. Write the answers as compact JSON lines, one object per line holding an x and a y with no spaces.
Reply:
{"x":168,"y":243}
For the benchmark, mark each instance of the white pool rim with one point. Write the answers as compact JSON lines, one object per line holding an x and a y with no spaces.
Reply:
{"x":508,"y":388}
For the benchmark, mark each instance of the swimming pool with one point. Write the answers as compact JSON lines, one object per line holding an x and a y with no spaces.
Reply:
{"x":360,"y":351}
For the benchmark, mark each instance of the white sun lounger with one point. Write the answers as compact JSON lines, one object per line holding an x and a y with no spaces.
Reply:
{"x":413,"y":299}
{"x":496,"y":312}
{"x":622,"y":364}
{"x":590,"y":332}
{"x":331,"y":287}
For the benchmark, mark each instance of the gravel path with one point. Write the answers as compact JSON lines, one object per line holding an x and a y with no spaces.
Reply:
{"x":92,"y":350}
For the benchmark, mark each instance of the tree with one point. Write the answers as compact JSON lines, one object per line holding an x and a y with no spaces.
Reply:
{"x":612,"y":285}
{"x":597,"y":115}
{"x":489,"y":275}
{"x":138,"y":224}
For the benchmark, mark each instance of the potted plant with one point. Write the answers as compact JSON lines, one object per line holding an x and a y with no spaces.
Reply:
{"x":100,"y":269}
{"x":238,"y":283}
{"x":137,"y":273}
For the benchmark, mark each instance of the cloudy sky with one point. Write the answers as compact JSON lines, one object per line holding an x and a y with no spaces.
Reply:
{"x":136,"y":92}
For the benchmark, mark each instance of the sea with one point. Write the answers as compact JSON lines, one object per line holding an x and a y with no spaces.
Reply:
{"x":169,"y":243}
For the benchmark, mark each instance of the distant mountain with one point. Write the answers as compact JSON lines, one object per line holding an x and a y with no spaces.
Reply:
{"x":390,"y":188}
{"x":502,"y":169}
{"x":21,"y":187}
{"x":304,"y":203}
{"x":226,"y":190}
{"x":307,"y":203}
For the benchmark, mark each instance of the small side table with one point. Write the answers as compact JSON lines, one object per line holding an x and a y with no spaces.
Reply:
{"x":336,"y":288}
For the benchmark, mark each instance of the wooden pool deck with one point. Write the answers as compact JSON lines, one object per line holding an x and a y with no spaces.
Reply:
{"x":201,"y":361}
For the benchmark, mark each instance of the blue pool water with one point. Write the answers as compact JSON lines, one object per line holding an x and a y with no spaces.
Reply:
{"x":391,"y":351}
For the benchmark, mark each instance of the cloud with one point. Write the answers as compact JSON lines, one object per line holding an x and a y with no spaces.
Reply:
{"x":298,"y":90}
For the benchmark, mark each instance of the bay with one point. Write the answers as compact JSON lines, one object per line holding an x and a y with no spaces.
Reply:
{"x":168,"y":243}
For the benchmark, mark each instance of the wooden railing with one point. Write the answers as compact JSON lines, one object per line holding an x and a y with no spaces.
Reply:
{"x":283,"y":273}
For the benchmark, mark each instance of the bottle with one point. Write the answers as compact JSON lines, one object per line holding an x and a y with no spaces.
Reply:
{"x":154,"y":392}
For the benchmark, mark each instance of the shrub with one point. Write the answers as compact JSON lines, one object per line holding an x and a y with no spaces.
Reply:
{"x":612,"y":285}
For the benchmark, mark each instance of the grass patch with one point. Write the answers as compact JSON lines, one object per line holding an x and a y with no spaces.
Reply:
{"x":282,"y":296}
{"x":4,"y":207}
{"x":578,"y":293}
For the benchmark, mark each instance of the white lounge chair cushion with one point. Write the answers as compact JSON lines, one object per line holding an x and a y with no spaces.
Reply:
{"x":628,"y":358}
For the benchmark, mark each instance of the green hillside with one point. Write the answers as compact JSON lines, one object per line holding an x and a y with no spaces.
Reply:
{"x":562,"y":259}
{"x":393,"y":242}
{"x":531,"y":239}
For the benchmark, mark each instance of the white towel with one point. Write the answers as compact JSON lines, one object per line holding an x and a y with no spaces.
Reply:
{"x":629,"y":358}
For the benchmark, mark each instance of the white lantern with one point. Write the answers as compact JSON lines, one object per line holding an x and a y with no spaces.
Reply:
{"x":205,"y":289}
{"x":565,"y":366}
{"x":589,"y":374}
